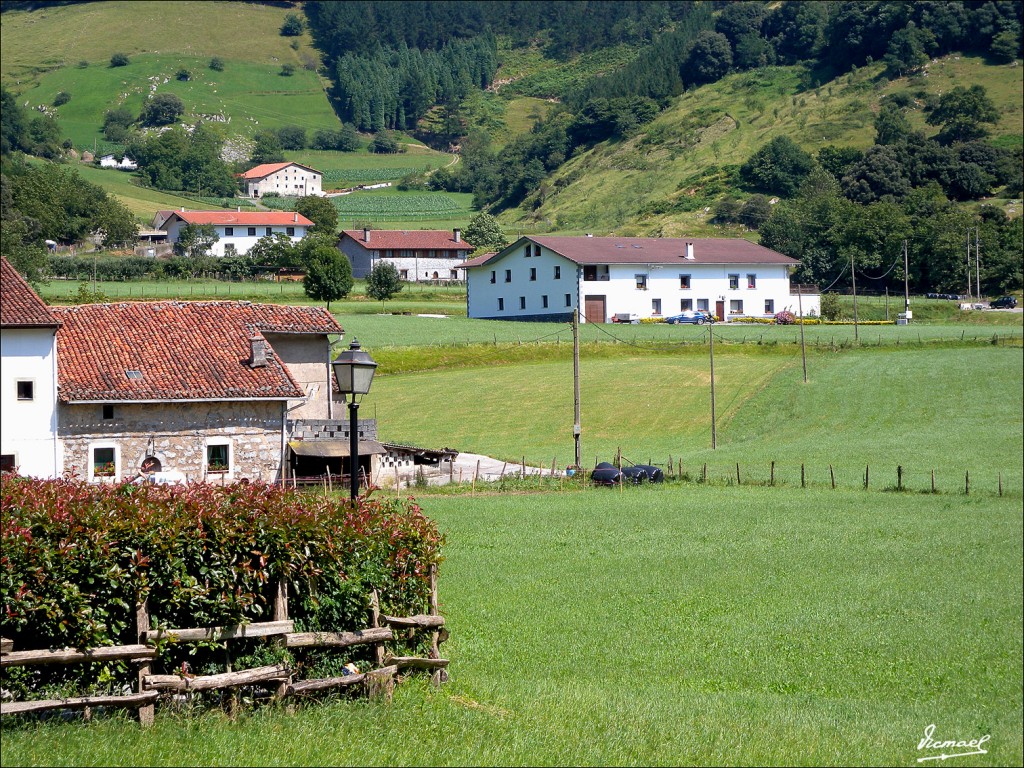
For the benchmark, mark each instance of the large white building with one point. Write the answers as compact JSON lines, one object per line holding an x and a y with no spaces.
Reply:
{"x":237,"y":231}
{"x":28,"y":379}
{"x":284,"y":179}
{"x":547,"y":278}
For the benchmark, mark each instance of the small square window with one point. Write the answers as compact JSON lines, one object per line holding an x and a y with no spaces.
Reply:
{"x":641,"y":282}
{"x":685,"y":305}
{"x":684,"y":282}
{"x":702,"y":305}
{"x":217,"y":458}
{"x":252,"y":231}
{"x":26,"y":390}
{"x":108,"y":412}
{"x":735,"y":307}
{"x":404,"y":274}
{"x":103,"y":462}
{"x":290,"y":231}
{"x":268,"y":231}
{"x":734,"y":282}
{"x":229,"y":231}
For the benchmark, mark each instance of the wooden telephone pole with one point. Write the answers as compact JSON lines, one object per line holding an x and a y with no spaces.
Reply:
{"x":576,"y":386}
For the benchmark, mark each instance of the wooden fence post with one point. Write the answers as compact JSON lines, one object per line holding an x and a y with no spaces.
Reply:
{"x":440,"y":675}
{"x":772,"y":481}
{"x":867,"y":476}
{"x":803,"y":484}
{"x":933,"y":481}
{"x":899,"y":477}
{"x":378,"y":649}
{"x":281,"y":614}
{"x":704,"y":473}
{"x":147,"y":712}
{"x":1000,"y":483}
{"x":967,"y":483}
{"x":738,"y":473}
{"x":832,"y":475}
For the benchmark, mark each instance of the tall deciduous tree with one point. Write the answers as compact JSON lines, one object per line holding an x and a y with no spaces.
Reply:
{"x":195,"y":240}
{"x":484,"y":233}
{"x":328,"y":274}
{"x":319,"y":210}
{"x":961,"y":112}
{"x":778,"y":167}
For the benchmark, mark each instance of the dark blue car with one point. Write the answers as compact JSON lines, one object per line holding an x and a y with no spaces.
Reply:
{"x":697,"y":317}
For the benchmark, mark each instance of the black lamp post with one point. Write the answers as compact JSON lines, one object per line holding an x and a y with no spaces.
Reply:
{"x":354,"y":371}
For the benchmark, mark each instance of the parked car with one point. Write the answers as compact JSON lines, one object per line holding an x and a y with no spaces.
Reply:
{"x":1003,"y":302}
{"x":697,"y":317}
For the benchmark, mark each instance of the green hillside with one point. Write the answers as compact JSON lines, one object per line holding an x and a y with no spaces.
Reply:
{"x":660,"y":181}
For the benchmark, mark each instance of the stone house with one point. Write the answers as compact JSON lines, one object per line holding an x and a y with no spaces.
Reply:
{"x":28,"y":379}
{"x":418,"y":255}
{"x":214,"y":390}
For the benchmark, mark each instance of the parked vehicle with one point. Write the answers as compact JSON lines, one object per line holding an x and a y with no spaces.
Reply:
{"x":697,"y":317}
{"x":1003,"y":302}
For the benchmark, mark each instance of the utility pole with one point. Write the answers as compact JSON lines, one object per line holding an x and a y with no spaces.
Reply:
{"x":906,"y":282}
{"x":968,"y":263}
{"x":711,"y":342}
{"x":977,"y":260}
{"x":853,"y":278}
{"x":800,"y":306}
{"x":577,"y":459}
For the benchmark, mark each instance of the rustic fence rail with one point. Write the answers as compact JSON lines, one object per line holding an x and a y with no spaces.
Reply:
{"x":376,"y":683}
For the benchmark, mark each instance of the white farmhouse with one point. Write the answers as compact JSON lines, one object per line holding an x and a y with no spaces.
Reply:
{"x":548,"y":278}
{"x":28,"y":379}
{"x":285,"y":179}
{"x":419,"y":255}
{"x":238,"y":231}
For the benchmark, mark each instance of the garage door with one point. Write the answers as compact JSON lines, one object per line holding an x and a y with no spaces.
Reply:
{"x":594,"y":309}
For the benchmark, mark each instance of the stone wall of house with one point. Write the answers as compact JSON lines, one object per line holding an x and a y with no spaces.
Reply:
{"x":307,"y":358}
{"x":178,"y":435}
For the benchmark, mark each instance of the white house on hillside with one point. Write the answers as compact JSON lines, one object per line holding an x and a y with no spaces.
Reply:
{"x":28,"y":379}
{"x":547,"y":278}
{"x":238,"y":231}
{"x":419,"y":255}
{"x":286,"y":179}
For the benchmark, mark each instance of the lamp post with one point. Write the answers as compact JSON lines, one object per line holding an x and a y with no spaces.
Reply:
{"x":354,"y":371}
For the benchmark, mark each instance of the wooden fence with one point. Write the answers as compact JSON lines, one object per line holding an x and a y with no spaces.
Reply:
{"x":376,"y":682}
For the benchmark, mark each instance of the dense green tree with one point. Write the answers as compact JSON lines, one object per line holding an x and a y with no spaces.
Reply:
{"x":217,"y":64}
{"x":117,"y":124}
{"x":383,"y":282}
{"x":838,"y":160}
{"x":195,"y":240}
{"x":880,"y":175}
{"x":344,"y":139}
{"x":319,"y":210}
{"x":162,"y":109}
{"x":119,"y":60}
{"x":484,"y":233}
{"x":1006,"y":45}
{"x":710,"y":58}
{"x":777,"y":168}
{"x":891,"y":125}
{"x":384,"y":143}
{"x":13,"y":123}
{"x":755,"y":211}
{"x":961,"y":113}
{"x":908,"y":50}
{"x":274,"y":250}
{"x":267,"y":148}
{"x":292,"y":137}
{"x":328,"y":274}
{"x":293,"y":25}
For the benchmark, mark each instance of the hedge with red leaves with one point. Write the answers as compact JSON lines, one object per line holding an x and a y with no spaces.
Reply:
{"x":76,"y":558}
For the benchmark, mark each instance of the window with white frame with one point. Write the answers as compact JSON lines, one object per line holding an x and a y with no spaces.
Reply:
{"x":103,"y":461}
{"x":290,"y":231}
{"x":251,"y":231}
{"x":508,"y":275}
{"x":501,"y":305}
{"x":641,"y":282}
{"x":685,"y":305}
{"x":655,"y":306}
{"x":218,"y":455}
{"x":229,"y":231}
{"x":735,"y":307}
{"x":734,"y":282}
{"x":533,"y":274}
{"x":522,"y":302}
{"x":494,"y":277}
{"x":769,"y":306}
{"x":268,"y":231}
{"x":568,"y":299}
{"x":702,"y":305}
{"x":544,"y":301}
{"x":684,"y":282}
{"x":751,"y":281}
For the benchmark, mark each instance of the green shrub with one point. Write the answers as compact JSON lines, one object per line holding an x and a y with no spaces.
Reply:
{"x":119,"y":60}
{"x":217,"y":64}
{"x":77,"y":558}
{"x":61,"y":99}
{"x":830,"y":309}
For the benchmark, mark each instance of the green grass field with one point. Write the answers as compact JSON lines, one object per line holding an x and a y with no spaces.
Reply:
{"x":738,"y":626}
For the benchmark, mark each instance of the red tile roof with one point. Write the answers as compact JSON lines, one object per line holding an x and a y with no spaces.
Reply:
{"x":184,"y":350}
{"x":20,"y":306}
{"x":262,"y":171}
{"x":242,"y":218}
{"x":650,"y":250}
{"x":393,"y":239}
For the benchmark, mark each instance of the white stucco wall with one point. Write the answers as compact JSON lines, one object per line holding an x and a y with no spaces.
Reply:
{"x":240,"y":236}
{"x":28,"y":428}
{"x":520,"y":296}
{"x":292,"y":181}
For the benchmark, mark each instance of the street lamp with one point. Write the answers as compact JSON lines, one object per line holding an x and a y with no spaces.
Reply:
{"x":354,"y":371}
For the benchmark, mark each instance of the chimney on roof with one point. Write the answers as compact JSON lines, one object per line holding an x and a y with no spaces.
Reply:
{"x":366,"y":234}
{"x":238,"y":209}
{"x":458,"y":235}
{"x":258,"y":352}
{"x":296,"y":215}
{"x":689,"y":251}
{"x":183,"y":209}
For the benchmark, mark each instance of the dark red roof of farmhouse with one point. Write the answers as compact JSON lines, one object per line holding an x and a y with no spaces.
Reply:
{"x":651,"y":250}
{"x":20,"y":306}
{"x":243,"y":218}
{"x":394,"y":239}
{"x":184,"y":350}
{"x":261,"y":171}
